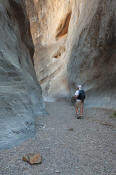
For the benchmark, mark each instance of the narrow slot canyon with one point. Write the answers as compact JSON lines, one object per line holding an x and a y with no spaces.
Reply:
{"x":47,"y":49}
{"x":75,"y":44}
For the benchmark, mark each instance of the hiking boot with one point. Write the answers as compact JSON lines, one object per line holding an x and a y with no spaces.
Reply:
{"x":78,"y":117}
{"x":81,"y":116}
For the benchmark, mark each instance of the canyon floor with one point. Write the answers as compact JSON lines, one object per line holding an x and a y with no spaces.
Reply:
{"x":68,"y":146}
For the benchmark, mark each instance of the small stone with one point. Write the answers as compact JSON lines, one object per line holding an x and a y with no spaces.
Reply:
{"x":57,"y":171}
{"x":71,"y":129}
{"x":32,"y":158}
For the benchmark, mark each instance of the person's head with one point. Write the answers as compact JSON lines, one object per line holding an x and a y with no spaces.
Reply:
{"x":79,"y":87}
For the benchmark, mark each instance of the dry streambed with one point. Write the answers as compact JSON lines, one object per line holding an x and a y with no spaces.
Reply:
{"x":68,"y":146}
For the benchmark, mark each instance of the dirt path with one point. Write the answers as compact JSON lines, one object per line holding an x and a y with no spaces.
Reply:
{"x":68,"y":146}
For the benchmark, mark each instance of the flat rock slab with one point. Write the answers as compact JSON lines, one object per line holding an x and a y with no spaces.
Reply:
{"x":32,"y":158}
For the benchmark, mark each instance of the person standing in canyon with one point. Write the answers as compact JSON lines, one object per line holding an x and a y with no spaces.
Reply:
{"x":79,"y":105}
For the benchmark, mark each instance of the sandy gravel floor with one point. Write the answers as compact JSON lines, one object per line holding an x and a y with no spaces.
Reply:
{"x":69,"y":146}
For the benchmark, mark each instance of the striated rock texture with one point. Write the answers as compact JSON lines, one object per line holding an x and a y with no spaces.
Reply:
{"x":92,"y":57}
{"x":49,"y":27}
{"x":75,"y":43}
{"x":20,"y":93}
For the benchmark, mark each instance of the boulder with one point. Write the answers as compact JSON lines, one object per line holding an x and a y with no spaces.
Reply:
{"x":32,"y":158}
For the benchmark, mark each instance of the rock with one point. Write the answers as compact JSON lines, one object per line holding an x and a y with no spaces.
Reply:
{"x":52,"y":20}
{"x":20,"y":93}
{"x":87,"y":32}
{"x":74,"y":44}
{"x":70,"y":129}
{"x":92,"y":55}
{"x":57,"y":171}
{"x":32,"y":158}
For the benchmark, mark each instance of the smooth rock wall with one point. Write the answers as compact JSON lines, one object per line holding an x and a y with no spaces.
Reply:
{"x":49,"y":27}
{"x":92,"y":56}
{"x":20,"y":93}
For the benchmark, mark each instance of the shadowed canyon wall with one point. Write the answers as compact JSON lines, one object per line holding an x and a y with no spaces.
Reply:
{"x":92,"y":58}
{"x":75,"y":43}
{"x":20,"y":93}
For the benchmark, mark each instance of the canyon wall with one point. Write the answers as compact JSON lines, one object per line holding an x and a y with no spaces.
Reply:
{"x":75,"y":44}
{"x":20,"y":93}
{"x":49,"y":27}
{"x":92,"y":57}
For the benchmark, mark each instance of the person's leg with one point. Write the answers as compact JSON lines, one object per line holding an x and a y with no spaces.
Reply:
{"x":76,"y":108}
{"x":81,"y":108}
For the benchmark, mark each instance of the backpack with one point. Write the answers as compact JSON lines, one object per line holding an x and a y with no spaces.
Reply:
{"x":81,"y":95}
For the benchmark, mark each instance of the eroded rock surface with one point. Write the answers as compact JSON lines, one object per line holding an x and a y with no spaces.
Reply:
{"x":75,"y":44}
{"x":20,"y":93}
{"x":49,"y":27}
{"x":92,"y":56}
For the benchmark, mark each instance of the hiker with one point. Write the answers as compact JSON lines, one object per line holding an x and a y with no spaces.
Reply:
{"x":79,"y":105}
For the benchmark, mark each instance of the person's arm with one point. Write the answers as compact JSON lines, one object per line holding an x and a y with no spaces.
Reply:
{"x":76,"y":94}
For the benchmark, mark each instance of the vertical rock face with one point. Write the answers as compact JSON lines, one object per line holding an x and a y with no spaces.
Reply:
{"x":20,"y":93}
{"x":75,"y":44}
{"x":92,"y":56}
{"x":51,"y":18}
